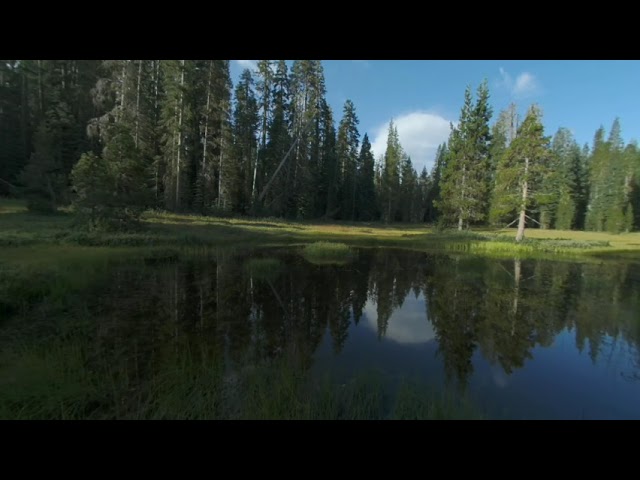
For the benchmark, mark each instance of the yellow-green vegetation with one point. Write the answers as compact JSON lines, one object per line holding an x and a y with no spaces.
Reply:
{"x":18,"y":228}
{"x":327,"y":253}
{"x":33,"y":273}
{"x":264,"y":267}
{"x":63,"y":378}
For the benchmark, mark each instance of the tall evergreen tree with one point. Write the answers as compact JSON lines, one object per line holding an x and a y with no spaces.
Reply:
{"x":366,"y":192}
{"x":522,"y":170}
{"x":347,"y":154}
{"x":408,"y":187}
{"x":390,"y":178}
{"x":564,"y":185}
{"x":598,"y":169}
{"x":275,"y":172}
{"x":434,"y":194}
{"x":464,"y":186}
{"x":245,"y":132}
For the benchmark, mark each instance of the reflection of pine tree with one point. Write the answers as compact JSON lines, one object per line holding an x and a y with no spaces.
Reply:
{"x":451,"y":301}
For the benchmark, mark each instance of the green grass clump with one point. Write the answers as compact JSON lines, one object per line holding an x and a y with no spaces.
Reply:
{"x":268,"y":267}
{"x":327,"y":253}
{"x":29,"y":275}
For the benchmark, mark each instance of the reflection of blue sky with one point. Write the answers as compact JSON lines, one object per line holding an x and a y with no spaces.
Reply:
{"x":407,"y":325}
{"x":558,"y":381}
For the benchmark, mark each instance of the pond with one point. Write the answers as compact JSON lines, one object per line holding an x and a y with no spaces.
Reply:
{"x":513,"y":339}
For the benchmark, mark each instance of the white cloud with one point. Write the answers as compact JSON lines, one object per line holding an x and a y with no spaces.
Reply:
{"x":250,"y":64}
{"x":525,"y":84}
{"x":363,"y":63}
{"x":420,"y":134}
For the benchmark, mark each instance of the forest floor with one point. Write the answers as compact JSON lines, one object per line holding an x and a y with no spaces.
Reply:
{"x":19,"y":228}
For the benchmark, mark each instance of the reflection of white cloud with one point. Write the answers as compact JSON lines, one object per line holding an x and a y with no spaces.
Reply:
{"x":408,"y":324}
{"x":499,"y":377}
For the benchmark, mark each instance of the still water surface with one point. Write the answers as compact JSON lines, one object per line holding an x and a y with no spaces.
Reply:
{"x":520,"y":338}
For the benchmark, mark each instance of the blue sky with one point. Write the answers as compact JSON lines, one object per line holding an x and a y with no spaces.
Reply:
{"x":423,"y":96}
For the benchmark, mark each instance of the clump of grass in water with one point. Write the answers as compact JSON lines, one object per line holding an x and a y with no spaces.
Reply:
{"x":415,"y":402}
{"x":52,"y":273}
{"x":264,"y":267}
{"x":323,"y":253}
{"x":54,"y":379}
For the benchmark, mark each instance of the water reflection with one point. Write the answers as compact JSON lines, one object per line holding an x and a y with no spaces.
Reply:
{"x":482,"y":318}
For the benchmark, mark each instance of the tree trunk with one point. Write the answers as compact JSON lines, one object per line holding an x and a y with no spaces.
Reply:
{"x":205,"y":138}
{"x":138,"y":101}
{"x":516,"y":293}
{"x":353,"y":196}
{"x":464,"y":180}
{"x":523,"y":207}
{"x":40,"y":89}
{"x":156,"y":81}
{"x":220,"y":166}
{"x":120,"y":111}
{"x":179,"y":135}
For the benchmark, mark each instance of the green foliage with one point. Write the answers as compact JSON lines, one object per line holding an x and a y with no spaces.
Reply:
{"x":522,"y":170}
{"x":366,"y":192}
{"x":390,"y":180}
{"x":110,"y":189}
{"x":43,"y":176}
{"x":465,"y":182}
{"x":327,"y":252}
{"x":201,"y":146}
{"x":347,"y":145}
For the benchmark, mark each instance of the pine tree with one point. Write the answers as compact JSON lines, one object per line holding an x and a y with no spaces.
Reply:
{"x":264,"y":93}
{"x":276,"y":176}
{"x":347,"y":154}
{"x":408,"y":186}
{"x":598,"y":170}
{"x":54,"y":110}
{"x":307,"y":93}
{"x":366,"y":192}
{"x":326,"y":185}
{"x":503,"y":133}
{"x":390,"y":177}
{"x":245,"y":132}
{"x":464,"y":187}
{"x":522,"y":170}
{"x":13,"y":153}
{"x":434,"y":196}
{"x":564,"y":184}
{"x":424,"y":188}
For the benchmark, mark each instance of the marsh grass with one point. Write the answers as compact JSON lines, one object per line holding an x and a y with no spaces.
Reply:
{"x":161,"y":229}
{"x":267,"y":267}
{"x":29,"y":275}
{"x":328,"y":253}
{"x":55,"y":380}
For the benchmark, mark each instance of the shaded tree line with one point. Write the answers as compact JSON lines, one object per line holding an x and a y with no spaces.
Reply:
{"x":116,"y":137}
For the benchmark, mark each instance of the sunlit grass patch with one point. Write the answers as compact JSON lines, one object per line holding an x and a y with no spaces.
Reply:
{"x":264,"y":267}
{"x":327,"y":253}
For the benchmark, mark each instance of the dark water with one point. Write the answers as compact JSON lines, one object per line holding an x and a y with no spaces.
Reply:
{"x":521,"y":339}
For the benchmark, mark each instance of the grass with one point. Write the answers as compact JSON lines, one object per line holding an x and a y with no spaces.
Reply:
{"x":265,"y":268}
{"x":323,"y":253}
{"x":55,"y":380}
{"x":53,"y":273}
{"x":19,"y":229}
